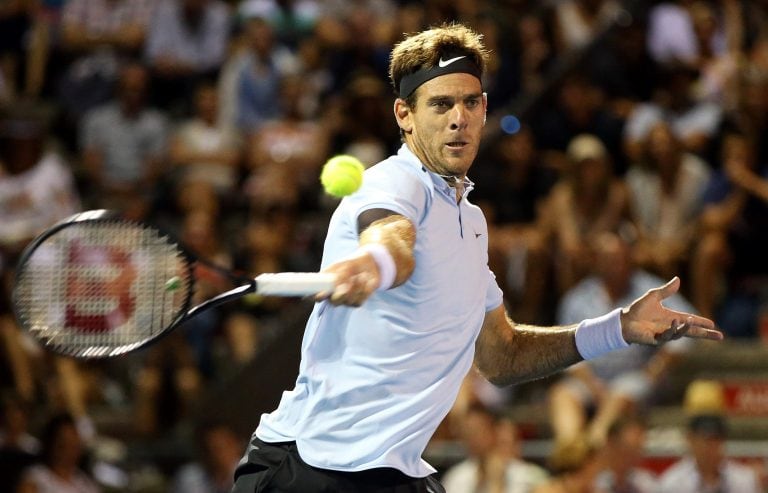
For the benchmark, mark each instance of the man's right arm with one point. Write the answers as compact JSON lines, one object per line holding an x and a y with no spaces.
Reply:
{"x":383,"y":233}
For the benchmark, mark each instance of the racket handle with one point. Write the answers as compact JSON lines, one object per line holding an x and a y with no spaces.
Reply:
{"x":294,"y":283}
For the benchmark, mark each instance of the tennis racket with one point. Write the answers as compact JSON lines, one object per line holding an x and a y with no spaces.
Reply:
{"x":97,"y":285}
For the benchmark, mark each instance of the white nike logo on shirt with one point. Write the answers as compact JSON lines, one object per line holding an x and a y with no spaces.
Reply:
{"x":444,"y":63}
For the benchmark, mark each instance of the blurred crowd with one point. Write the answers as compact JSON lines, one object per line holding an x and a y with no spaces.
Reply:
{"x":627,"y":142}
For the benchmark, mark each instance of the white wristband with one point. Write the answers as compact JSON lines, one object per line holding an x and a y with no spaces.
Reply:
{"x":385,"y":262}
{"x":597,"y":336}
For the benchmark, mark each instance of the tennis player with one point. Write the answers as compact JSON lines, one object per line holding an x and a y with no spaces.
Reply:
{"x":384,"y":354}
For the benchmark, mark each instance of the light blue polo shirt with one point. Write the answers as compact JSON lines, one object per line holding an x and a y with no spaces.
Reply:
{"x":375,"y":381}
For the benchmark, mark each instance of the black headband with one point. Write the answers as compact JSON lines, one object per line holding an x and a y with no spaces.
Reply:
{"x":448,"y":64}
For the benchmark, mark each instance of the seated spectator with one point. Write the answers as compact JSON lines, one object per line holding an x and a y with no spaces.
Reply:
{"x":666,"y":198}
{"x":37,"y":189}
{"x":513,"y":183}
{"x":123,"y":145}
{"x":671,"y":37}
{"x":289,"y":150}
{"x":705,"y":467}
{"x":166,"y":386}
{"x":574,"y":465}
{"x":97,"y":36}
{"x":17,"y":28}
{"x":359,"y":121}
{"x":577,"y":22}
{"x":59,"y":471}
{"x":587,"y":201}
{"x":693,"y":123}
{"x":207,"y":155}
{"x":486,"y":467}
{"x":18,"y":448}
{"x":294,"y":21}
{"x":611,"y":385}
{"x":250,"y":79}
{"x":186,"y":43}
{"x":622,"y":454}
{"x":577,"y":109}
{"x":219,"y":451}
{"x":730,"y":250}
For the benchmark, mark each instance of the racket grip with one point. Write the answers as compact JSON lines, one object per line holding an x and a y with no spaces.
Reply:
{"x":294,"y":283}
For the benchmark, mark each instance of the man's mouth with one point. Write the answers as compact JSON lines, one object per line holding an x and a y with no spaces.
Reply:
{"x":456,"y":144}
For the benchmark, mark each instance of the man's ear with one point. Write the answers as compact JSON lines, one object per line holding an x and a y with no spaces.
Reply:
{"x":485,"y":107}
{"x":403,"y":115}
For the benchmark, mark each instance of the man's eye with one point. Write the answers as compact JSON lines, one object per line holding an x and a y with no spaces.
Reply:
{"x":472,"y":103}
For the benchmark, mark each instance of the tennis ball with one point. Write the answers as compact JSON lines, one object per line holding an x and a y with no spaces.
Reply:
{"x":342,"y":175}
{"x":173,"y":283}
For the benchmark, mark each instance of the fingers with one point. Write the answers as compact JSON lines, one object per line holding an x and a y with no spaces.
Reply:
{"x":675,"y":331}
{"x":688,"y":328}
{"x":357,"y":278}
{"x":354,"y":290}
{"x":669,"y":288}
{"x":693,"y":320}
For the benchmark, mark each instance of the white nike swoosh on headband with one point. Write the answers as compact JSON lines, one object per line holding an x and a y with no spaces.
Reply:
{"x":444,"y":63}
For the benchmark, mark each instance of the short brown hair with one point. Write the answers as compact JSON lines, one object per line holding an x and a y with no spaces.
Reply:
{"x":425,"y":48}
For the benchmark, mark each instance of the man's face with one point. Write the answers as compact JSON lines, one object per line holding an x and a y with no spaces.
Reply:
{"x":709,"y":451}
{"x":444,"y":128}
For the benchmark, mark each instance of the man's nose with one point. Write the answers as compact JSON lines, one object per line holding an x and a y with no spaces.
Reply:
{"x":458,"y":117}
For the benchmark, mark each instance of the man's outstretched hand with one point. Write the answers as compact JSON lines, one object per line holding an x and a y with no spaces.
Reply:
{"x":647,"y":321}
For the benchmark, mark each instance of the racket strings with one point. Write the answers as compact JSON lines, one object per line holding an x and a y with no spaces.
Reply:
{"x":102,"y":288}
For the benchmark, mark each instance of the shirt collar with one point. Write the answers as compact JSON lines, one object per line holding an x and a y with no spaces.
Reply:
{"x":430,"y":178}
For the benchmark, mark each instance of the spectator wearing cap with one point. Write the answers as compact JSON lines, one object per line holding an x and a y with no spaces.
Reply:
{"x":587,"y":201}
{"x":706,"y":469}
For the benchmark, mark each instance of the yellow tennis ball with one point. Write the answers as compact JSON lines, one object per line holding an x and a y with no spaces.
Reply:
{"x":342,"y":175}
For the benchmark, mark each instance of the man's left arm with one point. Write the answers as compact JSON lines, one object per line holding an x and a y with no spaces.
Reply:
{"x":508,"y":353}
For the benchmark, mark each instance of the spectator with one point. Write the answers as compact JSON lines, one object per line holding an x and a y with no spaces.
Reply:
{"x":577,"y":22}
{"x":622,"y":454}
{"x":16,"y":20}
{"x":123,"y":146}
{"x":214,"y":471}
{"x":36,"y":185}
{"x":733,"y":238}
{"x":671,"y":36}
{"x":186,"y":43}
{"x":62,"y":453}
{"x":578,"y":109}
{"x":666,"y":198}
{"x":251,"y":79}
{"x":705,"y":468}
{"x":587,"y":201}
{"x":207,"y":154}
{"x":720,"y":51}
{"x":294,"y":20}
{"x":575,"y":465}
{"x":612,"y":385}
{"x":18,"y":448}
{"x":166,"y":386}
{"x":624,"y":69}
{"x":202,"y":234}
{"x":97,"y":36}
{"x":694,"y":123}
{"x":359,"y":120}
{"x":36,"y":190}
{"x":486,"y":468}
{"x":290,"y":149}
{"x":514,"y":184}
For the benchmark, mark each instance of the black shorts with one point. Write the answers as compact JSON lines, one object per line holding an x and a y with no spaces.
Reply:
{"x":277,"y":467}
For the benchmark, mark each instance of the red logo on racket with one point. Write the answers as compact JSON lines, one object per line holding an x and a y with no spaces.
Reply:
{"x":99,"y":280}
